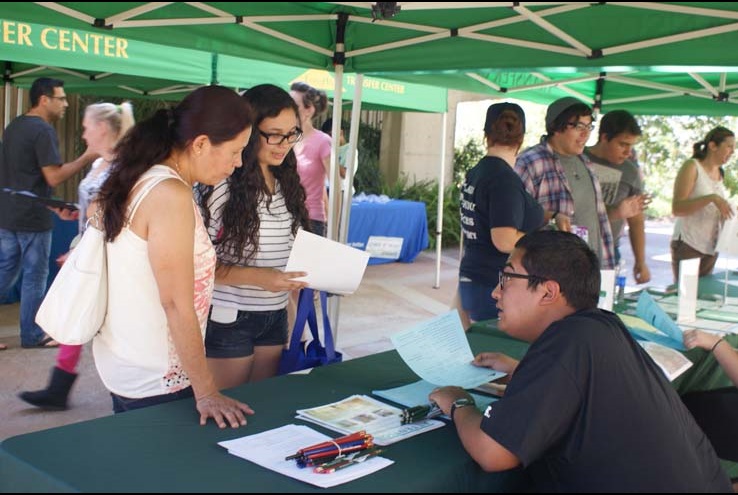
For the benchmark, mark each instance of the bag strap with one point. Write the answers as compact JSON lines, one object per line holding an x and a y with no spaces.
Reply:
{"x":303,"y":310}
{"x":306,"y":314}
{"x":151,"y":178}
{"x":330,"y":348}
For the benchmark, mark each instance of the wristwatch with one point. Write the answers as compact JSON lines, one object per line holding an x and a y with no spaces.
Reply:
{"x":458,"y":403}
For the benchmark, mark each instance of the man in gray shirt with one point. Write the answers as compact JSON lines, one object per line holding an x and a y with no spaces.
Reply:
{"x":622,"y":184}
{"x":559,"y":176}
{"x":31,"y":161}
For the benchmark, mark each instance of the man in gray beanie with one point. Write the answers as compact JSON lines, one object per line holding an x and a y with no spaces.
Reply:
{"x":559,"y":175}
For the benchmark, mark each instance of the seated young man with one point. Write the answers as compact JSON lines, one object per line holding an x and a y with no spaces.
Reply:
{"x":586,"y":408}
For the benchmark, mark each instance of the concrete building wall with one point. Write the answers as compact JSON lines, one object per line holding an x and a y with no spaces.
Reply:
{"x":412,"y":144}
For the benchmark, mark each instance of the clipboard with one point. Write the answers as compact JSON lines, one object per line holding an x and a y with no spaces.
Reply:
{"x":52,"y":202}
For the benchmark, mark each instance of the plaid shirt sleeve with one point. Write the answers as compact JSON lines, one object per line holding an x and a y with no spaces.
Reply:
{"x":545,"y":180}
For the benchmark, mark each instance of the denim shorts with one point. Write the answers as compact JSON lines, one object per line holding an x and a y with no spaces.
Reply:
{"x":251,"y":329}
{"x":476,"y":299}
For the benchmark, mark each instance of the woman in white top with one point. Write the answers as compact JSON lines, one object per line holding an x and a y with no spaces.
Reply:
{"x":252,"y":218}
{"x":161,"y":263}
{"x":104,"y":124}
{"x":699,"y":202}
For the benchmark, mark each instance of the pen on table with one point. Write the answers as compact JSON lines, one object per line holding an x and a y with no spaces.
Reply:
{"x":344,"y":463}
{"x":313,"y":459}
{"x":334,"y":443}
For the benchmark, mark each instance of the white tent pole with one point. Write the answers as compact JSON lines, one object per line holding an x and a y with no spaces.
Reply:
{"x":441,"y":186}
{"x":353,"y":141}
{"x":6,"y":119}
{"x":335,"y":176}
{"x":19,"y":103}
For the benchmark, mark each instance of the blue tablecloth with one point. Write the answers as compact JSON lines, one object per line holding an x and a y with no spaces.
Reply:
{"x":397,"y":218}
{"x":64,"y":232}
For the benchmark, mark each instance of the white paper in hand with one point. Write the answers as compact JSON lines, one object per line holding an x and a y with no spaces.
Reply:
{"x":330,"y":266}
{"x":727,"y":243}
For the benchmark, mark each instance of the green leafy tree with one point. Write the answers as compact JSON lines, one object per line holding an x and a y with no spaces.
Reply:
{"x":368,"y":178}
{"x":466,"y":157}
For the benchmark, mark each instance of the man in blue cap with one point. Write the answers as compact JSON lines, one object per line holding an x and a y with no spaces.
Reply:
{"x":559,"y":175}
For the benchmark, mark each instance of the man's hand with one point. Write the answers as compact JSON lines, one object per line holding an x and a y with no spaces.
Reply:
{"x":641,"y":273}
{"x":632,"y":206}
{"x":496,"y":361}
{"x":65,"y":214}
{"x":563,"y":222}
{"x":445,"y":396}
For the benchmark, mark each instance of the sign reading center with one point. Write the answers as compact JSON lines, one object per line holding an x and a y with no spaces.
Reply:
{"x":62,"y":39}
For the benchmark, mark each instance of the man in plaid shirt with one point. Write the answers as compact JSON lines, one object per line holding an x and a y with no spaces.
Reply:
{"x":559,"y":175}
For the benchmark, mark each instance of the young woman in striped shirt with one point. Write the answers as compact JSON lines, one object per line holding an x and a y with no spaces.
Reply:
{"x":252,"y":218}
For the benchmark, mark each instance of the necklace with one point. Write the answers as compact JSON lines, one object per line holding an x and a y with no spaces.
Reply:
{"x":179,"y":173}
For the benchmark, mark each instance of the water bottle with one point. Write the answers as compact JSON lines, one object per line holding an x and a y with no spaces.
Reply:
{"x":620,"y":276}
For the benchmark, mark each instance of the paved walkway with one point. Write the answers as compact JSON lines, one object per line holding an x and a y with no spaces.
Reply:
{"x":391,"y":298}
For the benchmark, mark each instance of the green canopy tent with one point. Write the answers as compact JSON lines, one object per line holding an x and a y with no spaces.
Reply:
{"x":387,"y":37}
{"x":642,"y":92}
{"x":460,"y":45}
{"x":426,"y":36}
{"x":97,"y":83}
{"x":93,"y":63}
{"x":100,"y":63}
{"x":377,"y":93}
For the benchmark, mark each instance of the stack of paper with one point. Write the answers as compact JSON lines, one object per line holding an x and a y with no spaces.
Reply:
{"x":269,"y":449}
{"x":438,"y":352}
{"x":330,"y":266}
{"x":360,"y":412}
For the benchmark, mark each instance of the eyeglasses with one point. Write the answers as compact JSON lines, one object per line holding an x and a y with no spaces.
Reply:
{"x":62,"y":98}
{"x":581,"y":126}
{"x":506,"y":276}
{"x":277,"y":139}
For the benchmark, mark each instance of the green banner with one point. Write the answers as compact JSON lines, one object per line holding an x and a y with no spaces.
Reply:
{"x":377,"y":93}
{"x":101,"y":51}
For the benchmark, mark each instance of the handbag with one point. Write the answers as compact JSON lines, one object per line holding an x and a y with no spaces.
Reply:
{"x":298,"y":356}
{"x":76,"y":303}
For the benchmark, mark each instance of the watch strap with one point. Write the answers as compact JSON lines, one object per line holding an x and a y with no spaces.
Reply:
{"x":458,"y":404}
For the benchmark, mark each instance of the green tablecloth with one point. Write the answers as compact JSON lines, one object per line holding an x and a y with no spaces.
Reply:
{"x":163,"y":448}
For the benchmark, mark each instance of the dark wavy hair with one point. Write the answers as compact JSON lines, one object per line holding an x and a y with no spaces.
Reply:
{"x":214,"y":111}
{"x":565,"y":258}
{"x":239,"y":238}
